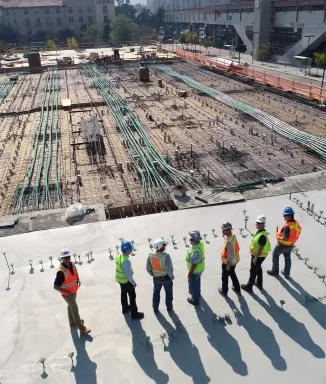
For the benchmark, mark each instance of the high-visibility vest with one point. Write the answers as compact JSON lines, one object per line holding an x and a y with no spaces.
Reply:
{"x":224,"y":255}
{"x":254,"y":246}
{"x":295,"y":231}
{"x":120,"y":275}
{"x":158,"y":262}
{"x":199,"y":247}
{"x":70,"y":282}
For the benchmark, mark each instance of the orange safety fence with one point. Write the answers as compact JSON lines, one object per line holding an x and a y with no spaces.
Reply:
{"x":310,"y":91}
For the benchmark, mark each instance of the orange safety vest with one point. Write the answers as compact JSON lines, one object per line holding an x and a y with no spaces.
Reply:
{"x":234,"y":241}
{"x":70,"y":283}
{"x":295,"y":231}
{"x":158,"y":261}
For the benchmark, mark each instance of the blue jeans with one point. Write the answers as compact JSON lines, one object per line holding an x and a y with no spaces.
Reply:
{"x":167,"y":283}
{"x":194,"y":287}
{"x":277,"y":252}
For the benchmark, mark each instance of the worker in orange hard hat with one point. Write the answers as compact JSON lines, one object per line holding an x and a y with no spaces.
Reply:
{"x":286,"y":237}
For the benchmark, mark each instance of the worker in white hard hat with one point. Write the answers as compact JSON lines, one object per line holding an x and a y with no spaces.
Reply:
{"x":259,"y":249}
{"x":67,"y":283}
{"x":159,"y":265}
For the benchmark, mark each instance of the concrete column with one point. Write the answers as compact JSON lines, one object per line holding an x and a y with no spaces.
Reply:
{"x":214,"y":35}
{"x":262,"y":23}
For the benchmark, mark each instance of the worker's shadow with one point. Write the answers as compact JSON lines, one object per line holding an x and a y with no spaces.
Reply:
{"x":182,"y":351}
{"x":221,"y":340}
{"x":290,"y":326}
{"x":85,"y":369}
{"x":259,"y":333}
{"x":315,"y":308}
{"x":144,"y":354}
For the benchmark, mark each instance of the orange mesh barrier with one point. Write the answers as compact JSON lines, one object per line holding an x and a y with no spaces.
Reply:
{"x":310,"y":91}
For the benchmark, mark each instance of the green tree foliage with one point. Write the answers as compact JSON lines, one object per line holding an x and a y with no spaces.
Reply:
{"x":72,"y":43}
{"x":106,"y":32}
{"x":123,"y":29}
{"x":320,"y":59}
{"x":8,"y":35}
{"x":50,"y":45}
{"x":41,"y":36}
{"x":92,"y":34}
{"x":124,"y":8}
{"x":65,"y":34}
{"x":263,"y":50}
{"x":145,"y":18}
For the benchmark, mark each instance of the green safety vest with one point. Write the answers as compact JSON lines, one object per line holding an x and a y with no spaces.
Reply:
{"x":120,"y":276}
{"x":254,"y":246}
{"x":158,"y":262}
{"x":201,"y":265}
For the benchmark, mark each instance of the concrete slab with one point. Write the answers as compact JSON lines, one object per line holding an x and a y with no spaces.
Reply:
{"x":262,"y":339}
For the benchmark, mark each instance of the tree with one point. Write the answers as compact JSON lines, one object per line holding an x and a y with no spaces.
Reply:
{"x":92,"y":34}
{"x":65,"y":34}
{"x":206,"y":43}
{"x":41,"y":36}
{"x":50,"y":45}
{"x":145,"y":18}
{"x":320,"y":59}
{"x":263,"y":50}
{"x":72,"y":43}
{"x":107,"y":31}
{"x":8,"y":35}
{"x":159,"y":18}
{"x":123,"y":29}
{"x":183,"y":39}
{"x":126,"y":9}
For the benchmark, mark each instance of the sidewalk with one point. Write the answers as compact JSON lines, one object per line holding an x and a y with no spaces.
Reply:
{"x":287,"y":71}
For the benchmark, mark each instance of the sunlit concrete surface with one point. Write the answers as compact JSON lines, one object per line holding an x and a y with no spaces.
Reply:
{"x":262,"y":343}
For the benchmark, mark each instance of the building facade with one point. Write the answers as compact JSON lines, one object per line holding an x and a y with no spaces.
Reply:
{"x":290,"y":27}
{"x":29,"y":17}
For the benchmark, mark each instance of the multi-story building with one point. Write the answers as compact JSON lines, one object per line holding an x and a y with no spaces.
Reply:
{"x":29,"y":17}
{"x":290,"y":27}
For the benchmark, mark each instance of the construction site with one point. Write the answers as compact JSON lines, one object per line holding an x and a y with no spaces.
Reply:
{"x":127,"y":135}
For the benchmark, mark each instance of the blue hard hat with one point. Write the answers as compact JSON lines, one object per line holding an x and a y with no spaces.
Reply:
{"x":288,"y":211}
{"x":125,"y":246}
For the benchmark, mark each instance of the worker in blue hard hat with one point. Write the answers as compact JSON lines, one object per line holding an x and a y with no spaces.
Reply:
{"x":286,"y":237}
{"x":124,"y":276}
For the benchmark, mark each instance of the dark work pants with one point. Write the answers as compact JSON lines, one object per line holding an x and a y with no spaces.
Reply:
{"x":277,"y":252}
{"x":167,"y":283}
{"x":225,"y":278}
{"x":256,"y":271}
{"x":127,"y":289}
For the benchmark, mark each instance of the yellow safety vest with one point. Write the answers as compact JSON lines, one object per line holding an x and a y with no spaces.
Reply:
{"x":201,"y":265}
{"x":254,"y":246}
{"x":120,"y":275}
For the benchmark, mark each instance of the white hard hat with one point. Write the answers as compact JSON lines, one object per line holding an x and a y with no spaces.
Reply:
{"x":159,"y":244}
{"x":65,"y":252}
{"x":261,"y":219}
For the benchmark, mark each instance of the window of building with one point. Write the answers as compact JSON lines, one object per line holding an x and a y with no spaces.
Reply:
{"x":71,"y":19}
{"x":29,"y":31}
{"x":59,"y":20}
{"x":47,"y":10}
{"x":37,"y":12}
{"x":7,"y":12}
{"x":70,"y":10}
{"x":80,"y":9}
{"x":81,"y":19}
{"x":15,"y":21}
{"x":25,"y":11}
{"x":48,"y":20}
{"x":106,"y":18}
{"x":27,"y":22}
{"x":57,"y":10}
{"x":105,"y":9}
{"x":90,"y":19}
{"x":89,"y":8}
{"x":38,"y":21}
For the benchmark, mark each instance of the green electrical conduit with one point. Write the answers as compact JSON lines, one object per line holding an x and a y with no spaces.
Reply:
{"x":311,"y":142}
{"x":146,"y":159}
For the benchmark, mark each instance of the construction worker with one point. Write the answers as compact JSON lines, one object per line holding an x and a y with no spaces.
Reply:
{"x":286,"y":237}
{"x":67,"y":283}
{"x":230,"y":258}
{"x":195,"y":260}
{"x":124,"y":276}
{"x":259,"y":249}
{"x":159,"y":265}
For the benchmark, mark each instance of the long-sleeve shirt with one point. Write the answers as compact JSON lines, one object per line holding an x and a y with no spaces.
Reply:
{"x":168,"y":266}
{"x":126,"y":266}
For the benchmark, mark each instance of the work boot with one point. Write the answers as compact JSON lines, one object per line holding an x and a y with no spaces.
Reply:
{"x":220,"y":290}
{"x":85,"y":331}
{"x":126,"y":310}
{"x":286,"y":276}
{"x":237,"y":292}
{"x":138,"y":315}
{"x":155,"y":310}
{"x":272,"y":273}
{"x":247,"y":288}
{"x":169,"y":309}
{"x":259,"y":285}
{"x":190,"y":301}
{"x":73,"y":324}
